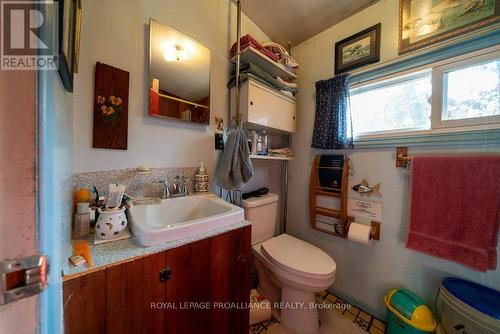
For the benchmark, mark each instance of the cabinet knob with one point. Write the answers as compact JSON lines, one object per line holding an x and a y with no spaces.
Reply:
{"x":251,"y":103}
{"x":165,"y":274}
{"x":293,"y":117}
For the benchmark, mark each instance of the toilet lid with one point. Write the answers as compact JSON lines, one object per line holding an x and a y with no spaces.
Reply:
{"x":299,"y":256}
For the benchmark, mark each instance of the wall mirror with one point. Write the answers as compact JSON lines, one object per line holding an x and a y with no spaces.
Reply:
{"x":179,"y":73}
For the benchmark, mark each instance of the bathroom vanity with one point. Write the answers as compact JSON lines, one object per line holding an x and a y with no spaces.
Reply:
{"x":154,"y":293}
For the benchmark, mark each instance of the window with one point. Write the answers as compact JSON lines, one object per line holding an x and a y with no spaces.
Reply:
{"x":399,"y":104}
{"x":455,"y":95}
{"x":468,"y":92}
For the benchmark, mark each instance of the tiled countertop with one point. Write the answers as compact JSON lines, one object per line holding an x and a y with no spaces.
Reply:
{"x":121,"y":250}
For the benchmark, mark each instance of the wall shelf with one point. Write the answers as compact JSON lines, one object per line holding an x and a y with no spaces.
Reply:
{"x":252,"y":55}
{"x":269,"y":157}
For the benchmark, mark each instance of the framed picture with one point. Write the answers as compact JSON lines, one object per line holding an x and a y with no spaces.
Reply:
{"x":358,"y":50}
{"x":426,"y":22}
{"x":67,"y":27}
{"x":111,"y":88}
{"x":78,"y":28}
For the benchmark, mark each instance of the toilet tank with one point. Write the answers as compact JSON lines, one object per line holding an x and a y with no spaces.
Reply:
{"x":261,"y":212}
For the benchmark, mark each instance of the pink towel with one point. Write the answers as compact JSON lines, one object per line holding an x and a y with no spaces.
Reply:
{"x":247,"y":40}
{"x":454,"y":208}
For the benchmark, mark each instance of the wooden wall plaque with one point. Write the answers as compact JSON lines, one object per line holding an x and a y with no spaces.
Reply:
{"x":111,"y":88}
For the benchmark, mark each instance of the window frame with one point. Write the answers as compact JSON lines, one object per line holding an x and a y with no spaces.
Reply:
{"x":439,"y":90}
{"x":438,"y":127}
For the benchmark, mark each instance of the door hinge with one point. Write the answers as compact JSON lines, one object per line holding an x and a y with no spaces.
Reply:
{"x":23,"y":277}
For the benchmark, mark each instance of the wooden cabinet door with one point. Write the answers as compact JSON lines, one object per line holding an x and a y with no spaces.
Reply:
{"x":214,"y":272}
{"x":132,"y":287}
{"x":85,"y":303}
{"x":190,"y":283}
{"x":207,"y":292}
{"x":239,"y":278}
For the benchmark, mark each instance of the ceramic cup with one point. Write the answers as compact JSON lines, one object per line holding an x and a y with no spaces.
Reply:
{"x":110,"y":223}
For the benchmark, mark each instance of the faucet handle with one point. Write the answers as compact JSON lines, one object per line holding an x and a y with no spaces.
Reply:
{"x":184,"y":179}
{"x":163,"y":182}
{"x":182,"y":185}
{"x":165,"y":190}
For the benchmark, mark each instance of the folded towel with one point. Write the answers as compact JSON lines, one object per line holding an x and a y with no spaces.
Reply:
{"x":284,"y":56}
{"x":454,"y":208}
{"x":249,"y":68}
{"x":245,"y":76}
{"x":287,"y":93}
{"x":286,"y":83}
{"x":280,"y":152}
{"x":247,"y":41}
{"x":235,"y":166}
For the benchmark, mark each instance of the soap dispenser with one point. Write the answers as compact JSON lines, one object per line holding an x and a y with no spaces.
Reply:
{"x":201,"y":180}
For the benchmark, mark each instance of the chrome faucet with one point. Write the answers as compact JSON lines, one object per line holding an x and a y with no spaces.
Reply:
{"x":179,"y":187}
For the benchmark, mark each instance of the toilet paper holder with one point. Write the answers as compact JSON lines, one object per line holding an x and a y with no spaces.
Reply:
{"x":374,"y":235}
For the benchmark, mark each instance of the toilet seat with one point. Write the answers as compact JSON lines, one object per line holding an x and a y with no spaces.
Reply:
{"x":297,"y":256}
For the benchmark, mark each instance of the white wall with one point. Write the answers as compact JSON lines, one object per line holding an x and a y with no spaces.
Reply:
{"x":116,"y":33}
{"x":366,"y":274}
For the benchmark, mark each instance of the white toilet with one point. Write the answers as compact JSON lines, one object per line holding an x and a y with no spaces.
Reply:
{"x":290,"y":270}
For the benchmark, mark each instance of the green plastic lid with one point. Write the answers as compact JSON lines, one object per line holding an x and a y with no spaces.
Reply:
{"x":406,"y":301}
{"x":411,"y":309}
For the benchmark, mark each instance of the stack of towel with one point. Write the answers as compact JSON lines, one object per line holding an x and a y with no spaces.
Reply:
{"x":247,"y":41}
{"x":273,"y":51}
{"x":283,"y":55}
{"x":281,"y":152}
{"x":253,"y":71}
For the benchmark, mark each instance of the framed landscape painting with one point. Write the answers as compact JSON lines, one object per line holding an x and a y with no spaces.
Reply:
{"x":358,"y":50}
{"x":425,"y":22}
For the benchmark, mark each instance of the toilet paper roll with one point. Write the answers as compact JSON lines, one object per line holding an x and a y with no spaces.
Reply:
{"x":359,"y":233}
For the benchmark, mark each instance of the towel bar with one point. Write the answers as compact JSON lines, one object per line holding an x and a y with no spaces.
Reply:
{"x":402,"y":158}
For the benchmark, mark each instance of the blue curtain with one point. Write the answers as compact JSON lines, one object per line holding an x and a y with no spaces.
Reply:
{"x":332,"y":124}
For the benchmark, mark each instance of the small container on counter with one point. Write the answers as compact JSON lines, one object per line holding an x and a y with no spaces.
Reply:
{"x":81,"y":223}
{"x":201,"y":180}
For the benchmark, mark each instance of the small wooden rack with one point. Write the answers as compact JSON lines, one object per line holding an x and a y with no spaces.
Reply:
{"x":338,"y":228}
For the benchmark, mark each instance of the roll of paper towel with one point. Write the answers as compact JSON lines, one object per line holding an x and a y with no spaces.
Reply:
{"x":359,"y":233}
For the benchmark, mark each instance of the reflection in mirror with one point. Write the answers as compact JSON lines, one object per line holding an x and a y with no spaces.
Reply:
{"x":179,"y":72}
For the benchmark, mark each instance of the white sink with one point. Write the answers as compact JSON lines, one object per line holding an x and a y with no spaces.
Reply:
{"x":181,"y":217}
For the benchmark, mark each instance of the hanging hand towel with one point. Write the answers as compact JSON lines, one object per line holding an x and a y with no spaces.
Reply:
{"x":454,"y":208}
{"x":235,"y":167}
